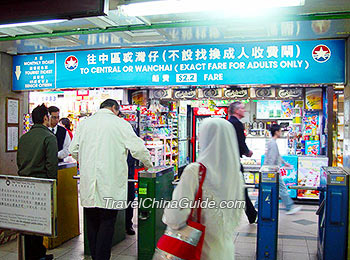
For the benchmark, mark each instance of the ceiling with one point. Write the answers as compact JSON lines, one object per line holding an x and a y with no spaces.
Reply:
{"x":316,"y":19}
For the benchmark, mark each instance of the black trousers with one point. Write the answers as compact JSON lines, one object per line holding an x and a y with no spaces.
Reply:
{"x":129,"y":212}
{"x":100,"y":230}
{"x":249,"y":207}
{"x":34,"y":248}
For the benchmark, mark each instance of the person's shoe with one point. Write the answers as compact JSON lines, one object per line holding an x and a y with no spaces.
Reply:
{"x":293,"y":210}
{"x":47,"y":257}
{"x":130,"y":231}
{"x":254,"y":220}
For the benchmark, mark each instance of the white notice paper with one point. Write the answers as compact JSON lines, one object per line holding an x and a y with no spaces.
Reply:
{"x":12,"y":111}
{"x":12,"y":138}
{"x":26,"y":205}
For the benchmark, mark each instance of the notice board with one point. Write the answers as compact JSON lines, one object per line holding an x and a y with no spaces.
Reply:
{"x":28,"y":205}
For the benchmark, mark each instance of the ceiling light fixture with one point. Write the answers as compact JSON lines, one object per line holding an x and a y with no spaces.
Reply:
{"x":11,"y":25}
{"x":191,"y":6}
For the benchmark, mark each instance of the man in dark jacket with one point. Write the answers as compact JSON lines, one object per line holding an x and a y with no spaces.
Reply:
{"x":62,"y":135}
{"x":37,"y":157}
{"x":129,"y":212}
{"x":236,"y":111}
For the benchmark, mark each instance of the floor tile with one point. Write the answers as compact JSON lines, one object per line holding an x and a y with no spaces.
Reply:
{"x":294,"y":242}
{"x":76,"y":255}
{"x":243,"y":245}
{"x":304,"y":222}
{"x":10,"y":256}
{"x":9,"y":247}
{"x":60,"y":251}
{"x":294,"y":256}
{"x":237,"y":257}
{"x":295,"y":249}
{"x":125,"y":257}
{"x":130,"y":251}
{"x":118,"y":249}
{"x":312,"y":248}
{"x":244,"y":239}
{"x":245,"y":252}
{"x":311,"y":243}
{"x":3,"y":253}
{"x":313,"y":256}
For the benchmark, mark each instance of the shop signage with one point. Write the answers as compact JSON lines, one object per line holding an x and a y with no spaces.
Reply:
{"x":185,"y":93}
{"x":162,"y":93}
{"x":294,"y":62}
{"x":288,"y":93}
{"x":210,"y":93}
{"x":262,"y":93}
{"x":236,"y":93}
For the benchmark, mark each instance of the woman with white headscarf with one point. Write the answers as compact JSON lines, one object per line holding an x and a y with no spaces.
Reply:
{"x":223,"y":182}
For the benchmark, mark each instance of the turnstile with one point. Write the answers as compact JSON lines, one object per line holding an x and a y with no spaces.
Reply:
{"x":155,"y":186}
{"x":333,"y":214}
{"x":267,"y":234}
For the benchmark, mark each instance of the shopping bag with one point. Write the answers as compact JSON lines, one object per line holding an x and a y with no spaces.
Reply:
{"x":187,"y":242}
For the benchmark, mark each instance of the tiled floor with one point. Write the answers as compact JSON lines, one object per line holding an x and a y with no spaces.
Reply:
{"x":297,"y":240}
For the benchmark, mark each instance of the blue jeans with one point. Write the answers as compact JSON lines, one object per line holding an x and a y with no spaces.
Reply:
{"x":286,"y":199}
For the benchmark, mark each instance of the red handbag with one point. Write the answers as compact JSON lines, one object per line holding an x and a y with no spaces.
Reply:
{"x":185,"y":243}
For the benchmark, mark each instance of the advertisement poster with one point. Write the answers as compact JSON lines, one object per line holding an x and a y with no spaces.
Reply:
{"x":309,"y":175}
{"x":268,"y":109}
{"x":287,"y":109}
{"x":139,"y":98}
{"x":312,"y":147}
{"x":311,"y":122}
{"x":289,"y":175}
{"x":313,"y":98}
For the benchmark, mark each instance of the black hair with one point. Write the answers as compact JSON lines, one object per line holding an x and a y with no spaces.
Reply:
{"x":110,"y":103}
{"x":274,"y":128}
{"x":38,"y":114}
{"x":233,"y":107}
{"x":65,"y":121}
{"x":53,"y":109}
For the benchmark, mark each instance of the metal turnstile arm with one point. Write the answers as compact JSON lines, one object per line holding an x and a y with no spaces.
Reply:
{"x":303,"y":188}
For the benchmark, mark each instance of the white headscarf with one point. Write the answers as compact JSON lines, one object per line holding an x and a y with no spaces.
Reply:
{"x":220,"y":155}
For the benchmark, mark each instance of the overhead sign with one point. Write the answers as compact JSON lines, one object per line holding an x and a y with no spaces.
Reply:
{"x":307,"y":62}
{"x":28,"y":204}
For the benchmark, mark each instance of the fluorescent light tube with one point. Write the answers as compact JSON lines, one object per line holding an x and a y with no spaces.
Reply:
{"x":189,"y":6}
{"x":31,"y":23}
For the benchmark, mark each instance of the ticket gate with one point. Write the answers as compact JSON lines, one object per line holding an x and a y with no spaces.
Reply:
{"x":155,"y":185}
{"x":333,"y":214}
{"x":267,"y":234}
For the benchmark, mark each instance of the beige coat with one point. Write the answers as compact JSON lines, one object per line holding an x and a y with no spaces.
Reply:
{"x":100,"y":145}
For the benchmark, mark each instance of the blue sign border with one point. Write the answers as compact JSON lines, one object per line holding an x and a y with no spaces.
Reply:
{"x":282,"y":62}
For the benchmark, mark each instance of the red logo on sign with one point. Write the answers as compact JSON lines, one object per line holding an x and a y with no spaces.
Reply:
{"x":321,"y":53}
{"x":71,"y":63}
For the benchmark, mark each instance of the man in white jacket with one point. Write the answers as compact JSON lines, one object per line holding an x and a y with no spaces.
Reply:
{"x":100,"y":145}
